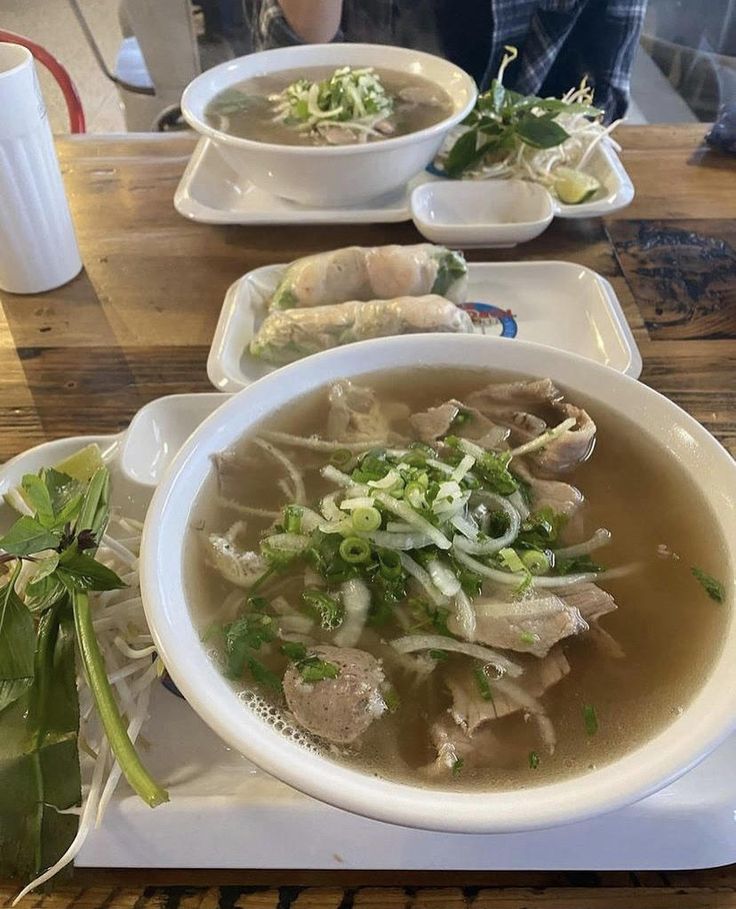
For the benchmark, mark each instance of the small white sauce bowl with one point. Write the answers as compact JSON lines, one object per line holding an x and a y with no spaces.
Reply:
{"x":330,"y":175}
{"x":481,"y":212}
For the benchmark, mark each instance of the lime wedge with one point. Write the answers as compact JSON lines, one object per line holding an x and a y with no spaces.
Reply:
{"x":82,"y":464}
{"x":79,"y":466}
{"x":573,"y":186}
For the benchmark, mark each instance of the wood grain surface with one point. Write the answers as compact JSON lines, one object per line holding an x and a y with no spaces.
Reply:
{"x":137,"y":323}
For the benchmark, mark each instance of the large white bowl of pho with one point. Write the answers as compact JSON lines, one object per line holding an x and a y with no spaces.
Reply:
{"x":451,"y":582}
{"x":332,"y":124}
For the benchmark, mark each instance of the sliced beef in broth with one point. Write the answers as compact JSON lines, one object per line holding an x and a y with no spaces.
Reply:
{"x":533,"y":624}
{"x":568,"y":450}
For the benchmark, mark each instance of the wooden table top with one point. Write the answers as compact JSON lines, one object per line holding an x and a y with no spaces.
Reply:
{"x":137,"y":323}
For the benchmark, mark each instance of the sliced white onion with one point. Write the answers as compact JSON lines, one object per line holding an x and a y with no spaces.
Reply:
{"x":466,"y":527}
{"x":422,"y":577}
{"x":465,"y":614}
{"x":443,"y":577}
{"x":399,"y":527}
{"x":413,"y":642}
{"x":356,"y":600}
{"x":488,"y":547}
{"x":463,"y":467}
{"x":329,"y":507}
{"x":514,"y":578}
{"x":407,"y":513}
{"x":358,"y":502}
{"x":391,"y":479}
{"x":398,"y":541}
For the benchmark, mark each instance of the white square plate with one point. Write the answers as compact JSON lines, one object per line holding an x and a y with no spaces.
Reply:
{"x":210,"y":191}
{"x":226,"y":813}
{"x":559,"y":304}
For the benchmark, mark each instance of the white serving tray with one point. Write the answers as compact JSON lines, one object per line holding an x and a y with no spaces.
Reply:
{"x":210,"y":191}
{"x":559,"y":304}
{"x":225,"y":813}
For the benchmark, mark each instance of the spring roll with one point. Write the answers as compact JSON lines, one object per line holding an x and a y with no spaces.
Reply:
{"x":372,"y":273}
{"x":291,"y":334}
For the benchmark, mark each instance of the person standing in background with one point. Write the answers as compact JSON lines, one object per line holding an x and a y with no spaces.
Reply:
{"x":559,"y":41}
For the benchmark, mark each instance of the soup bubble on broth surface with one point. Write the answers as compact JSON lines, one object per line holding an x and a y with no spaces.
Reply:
{"x":316,"y":106}
{"x":414,"y":580}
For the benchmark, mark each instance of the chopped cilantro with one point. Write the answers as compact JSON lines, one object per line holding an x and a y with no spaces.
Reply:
{"x":590,"y":718}
{"x":391,"y":700}
{"x":439,"y":655}
{"x":327,"y":609}
{"x":457,"y":766}
{"x":576,"y":565}
{"x":710,"y":585}
{"x":313,"y":669}
{"x":484,"y":687}
{"x":533,"y":760}
{"x":528,"y":638}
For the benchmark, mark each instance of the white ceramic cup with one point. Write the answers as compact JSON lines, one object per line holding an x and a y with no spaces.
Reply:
{"x":38,"y":249}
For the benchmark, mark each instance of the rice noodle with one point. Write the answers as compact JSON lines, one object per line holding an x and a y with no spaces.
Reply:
{"x":300,"y":494}
{"x":600,"y":538}
{"x":545,"y":438}
{"x":411,"y":642}
{"x":314,"y":443}
{"x":247,"y":510}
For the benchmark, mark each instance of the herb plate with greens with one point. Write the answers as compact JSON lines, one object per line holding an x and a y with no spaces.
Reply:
{"x":225,"y":813}
{"x":554,"y":303}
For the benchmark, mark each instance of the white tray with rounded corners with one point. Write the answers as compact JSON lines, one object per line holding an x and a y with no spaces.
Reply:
{"x":560,"y":304}
{"x":210,"y":191}
{"x":226,"y":813}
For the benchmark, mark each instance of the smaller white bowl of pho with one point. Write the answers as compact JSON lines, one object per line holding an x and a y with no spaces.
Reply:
{"x":451,"y":582}
{"x":329,"y":125}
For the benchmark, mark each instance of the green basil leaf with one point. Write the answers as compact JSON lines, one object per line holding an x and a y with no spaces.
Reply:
{"x":79,"y":571}
{"x":43,"y":592}
{"x":28,"y":536}
{"x":540,"y":132}
{"x":461,"y":154}
{"x":37,"y":496}
{"x":17,"y":645}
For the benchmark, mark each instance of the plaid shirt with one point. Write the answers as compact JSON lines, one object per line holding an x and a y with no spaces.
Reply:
{"x":559,"y":41}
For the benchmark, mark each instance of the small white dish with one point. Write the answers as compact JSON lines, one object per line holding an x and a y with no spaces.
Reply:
{"x":489,"y":213}
{"x":560,"y":304}
{"x":211,"y":192}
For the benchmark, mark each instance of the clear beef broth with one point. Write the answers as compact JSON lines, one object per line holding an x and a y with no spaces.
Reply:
{"x":667,"y":627}
{"x":255,"y":118}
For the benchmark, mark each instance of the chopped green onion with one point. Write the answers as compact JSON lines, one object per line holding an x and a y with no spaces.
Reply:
{"x":391,"y":700}
{"x":528,"y":638}
{"x":366,"y":519}
{"x":483,"y":684}
{"x":293,"y":519}
{"x":533,"y":760}
{"x":354,"y":550}
{"x":390,"y":563}
{"x":341,"y":457}
{"x":510,"y":560}
{"x":461,"y":418}
{"x":457,"y":766}
{"x":535,"y":561}
{"x":590,"y":718}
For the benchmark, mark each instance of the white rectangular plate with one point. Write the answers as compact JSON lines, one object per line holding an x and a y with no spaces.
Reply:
{"x":210,"y":191}
{"x":559,"y":304}
{"x":225,"y":813}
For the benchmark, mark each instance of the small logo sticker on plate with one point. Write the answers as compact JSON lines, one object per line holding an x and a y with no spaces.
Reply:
{"x":486,"y":317}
